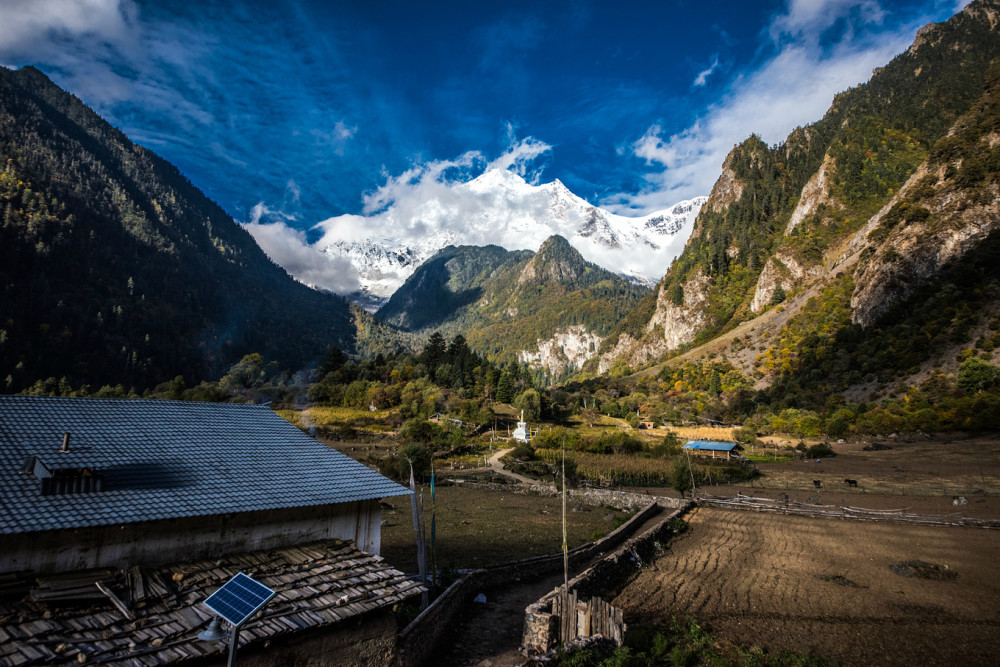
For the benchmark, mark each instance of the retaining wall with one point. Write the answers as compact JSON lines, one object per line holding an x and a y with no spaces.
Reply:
{"x":608,"y":497}
{"x":608,"y":574}
{"x":419,"y":638}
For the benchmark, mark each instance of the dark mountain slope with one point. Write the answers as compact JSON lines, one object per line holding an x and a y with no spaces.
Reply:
{"x":116,"y":269}
{"x":442,"y":286}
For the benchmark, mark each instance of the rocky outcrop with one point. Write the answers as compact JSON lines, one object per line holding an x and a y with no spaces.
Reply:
{"x":914,"y":254}
{"x":784,"y":270}
{"x":670,"y":326}
{"x":572,"y":347}
{"x":727,"y":189}
{"x":680,"y":324}
{"x":814,"y":193}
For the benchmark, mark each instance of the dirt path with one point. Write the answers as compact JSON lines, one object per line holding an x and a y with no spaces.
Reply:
{"x":498,"y":468}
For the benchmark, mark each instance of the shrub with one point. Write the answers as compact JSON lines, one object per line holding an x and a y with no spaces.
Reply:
{"x":616,"y":443}
{"x":820,"y":450}
{"x":553,"y":438}
{"x":745,"y":436}
{"x":419,"y":430}
{"x":523,"y":452}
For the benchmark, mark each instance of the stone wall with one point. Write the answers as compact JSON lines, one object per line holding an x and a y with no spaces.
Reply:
{"x":419,"y":638}
{"x":608,"y":574}
{"x":607,"y":497}
{"x":364,"y":640}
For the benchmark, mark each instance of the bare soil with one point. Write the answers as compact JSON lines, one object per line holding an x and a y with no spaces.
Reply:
{"x":827,"y":588}
{"x":922,"y":475}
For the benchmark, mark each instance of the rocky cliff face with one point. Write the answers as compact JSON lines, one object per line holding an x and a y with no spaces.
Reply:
{"x":815,"y":192}
{"x":878,"y":191}
{"x":726,"y":190}
{"x":945,"y":210}
{"x":670,"y":326}
{"x":785,"y":270}
{"x":569,"y":348}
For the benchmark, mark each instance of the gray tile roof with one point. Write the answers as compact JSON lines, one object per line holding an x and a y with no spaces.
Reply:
{"x":166,"y":459}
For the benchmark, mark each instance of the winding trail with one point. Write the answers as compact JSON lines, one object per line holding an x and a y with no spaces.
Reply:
{"x":498,"y":468}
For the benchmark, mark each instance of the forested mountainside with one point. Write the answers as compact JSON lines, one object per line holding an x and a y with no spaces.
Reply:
{"x":850,"y":227}
{"x":116,"y":269}
{"x":549,"y":309}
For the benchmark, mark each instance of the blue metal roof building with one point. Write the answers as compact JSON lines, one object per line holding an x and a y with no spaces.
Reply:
{"x":712,"y":448}
{"x":228,"y":471}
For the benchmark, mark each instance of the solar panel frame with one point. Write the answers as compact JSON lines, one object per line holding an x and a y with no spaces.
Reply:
{"x":239,"y":598}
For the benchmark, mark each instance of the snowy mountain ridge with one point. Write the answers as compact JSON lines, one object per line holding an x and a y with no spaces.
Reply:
{"x":501,"y":208}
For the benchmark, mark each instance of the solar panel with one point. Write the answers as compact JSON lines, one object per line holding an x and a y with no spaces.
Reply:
{"x":239,"y":598}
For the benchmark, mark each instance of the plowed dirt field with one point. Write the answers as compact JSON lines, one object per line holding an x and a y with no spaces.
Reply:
{"x":826,"y":587}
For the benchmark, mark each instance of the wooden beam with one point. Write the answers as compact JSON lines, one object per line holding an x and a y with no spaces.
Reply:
{"x":115,"y":600}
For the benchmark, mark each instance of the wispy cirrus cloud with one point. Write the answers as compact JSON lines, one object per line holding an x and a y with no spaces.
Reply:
{"x":703,"y":75}
{"x":807,"y":19}
{"x":793,"y":85}
{"x":204,"y":88}
{"x":30,"y":24}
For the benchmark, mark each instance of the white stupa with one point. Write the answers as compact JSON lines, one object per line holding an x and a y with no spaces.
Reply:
{"x":521,"y":433}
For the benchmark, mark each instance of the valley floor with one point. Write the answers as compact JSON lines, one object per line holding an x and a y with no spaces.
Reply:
{"x":827,"y":588}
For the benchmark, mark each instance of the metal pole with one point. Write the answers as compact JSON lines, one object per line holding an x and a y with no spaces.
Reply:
{"x":565,"y":547}
{"x":691,"y":470}
{"x":234,"y":639}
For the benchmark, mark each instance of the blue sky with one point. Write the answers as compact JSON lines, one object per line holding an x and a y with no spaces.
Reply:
{"x":301,"y":111}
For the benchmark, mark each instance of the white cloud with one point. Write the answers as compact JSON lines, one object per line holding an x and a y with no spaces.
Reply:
{"x":288,"y":248}
{"x":435,"y":180}
{"x":793,"y":87}
{"x":703,"y":75}
{"x":424,"y":199}
{"x":806,"y":19}
{"x":31,"y":23}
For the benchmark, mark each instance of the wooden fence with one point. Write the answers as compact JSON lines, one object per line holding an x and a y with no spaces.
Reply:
{"x":586,"y":619}
{"x":901,"y":515}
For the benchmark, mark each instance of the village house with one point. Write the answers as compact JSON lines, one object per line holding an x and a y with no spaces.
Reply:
{"x":712,"y":449}
{"x":161,"y":502}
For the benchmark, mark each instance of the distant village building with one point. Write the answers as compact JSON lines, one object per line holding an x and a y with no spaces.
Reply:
{"x":709,"y":448}
{"x":163,"y":501}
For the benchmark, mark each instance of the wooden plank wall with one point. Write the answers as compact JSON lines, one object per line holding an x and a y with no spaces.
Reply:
{"x":585,"y":619}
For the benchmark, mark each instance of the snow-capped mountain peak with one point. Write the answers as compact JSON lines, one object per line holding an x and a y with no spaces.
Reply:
{"x":499,"y":207}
